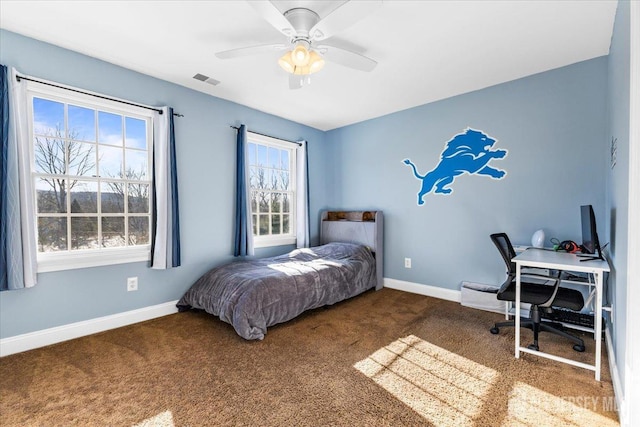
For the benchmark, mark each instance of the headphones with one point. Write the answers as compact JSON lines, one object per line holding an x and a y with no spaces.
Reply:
{"x":566,"y":245}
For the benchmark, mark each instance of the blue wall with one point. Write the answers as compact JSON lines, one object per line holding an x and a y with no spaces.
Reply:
{"x":553,"y":125}
{"x":206,"y":156}
{"x":618,"y":178}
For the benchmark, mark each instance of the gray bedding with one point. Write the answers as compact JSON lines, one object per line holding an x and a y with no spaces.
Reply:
{"x":252,"y":295}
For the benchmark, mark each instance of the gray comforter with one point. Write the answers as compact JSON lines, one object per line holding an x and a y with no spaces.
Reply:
{"x":252,"y":295}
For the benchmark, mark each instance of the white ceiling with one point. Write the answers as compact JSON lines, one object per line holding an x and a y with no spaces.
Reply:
{"x":426,"y":50}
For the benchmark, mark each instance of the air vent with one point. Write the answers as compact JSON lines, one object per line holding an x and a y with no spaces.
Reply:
{"x":206,"y":79}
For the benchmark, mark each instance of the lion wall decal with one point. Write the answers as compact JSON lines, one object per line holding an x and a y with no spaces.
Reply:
{"x":468,"y":152}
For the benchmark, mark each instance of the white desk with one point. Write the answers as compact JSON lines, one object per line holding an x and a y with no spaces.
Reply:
{"x":567,"y":262}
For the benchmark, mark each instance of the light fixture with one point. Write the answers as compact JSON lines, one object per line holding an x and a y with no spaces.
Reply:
{"x":300,"y":54}
{"x":301,"y":61}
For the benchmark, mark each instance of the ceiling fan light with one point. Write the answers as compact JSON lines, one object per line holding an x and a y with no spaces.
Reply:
{"x":316,"y":62}
{"x":286,"y":63}
{"x":300,"y":55}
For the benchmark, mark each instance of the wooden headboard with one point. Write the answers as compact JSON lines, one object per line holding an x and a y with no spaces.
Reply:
{"x":361,"y":227}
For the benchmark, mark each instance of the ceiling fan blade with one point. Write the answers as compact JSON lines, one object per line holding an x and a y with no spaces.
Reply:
{"x":343,"y":17}
{"x":347,"y":58}
{"x":272,"y":15}
{"x":251,"y":50}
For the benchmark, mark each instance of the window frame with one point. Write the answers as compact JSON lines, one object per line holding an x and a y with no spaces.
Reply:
{"x":83,"y":258}
{"x":263,"y":241}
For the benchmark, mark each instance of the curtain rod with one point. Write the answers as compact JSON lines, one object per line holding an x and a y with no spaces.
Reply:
{"x":269,"y":136}
{"x":18,"y":77}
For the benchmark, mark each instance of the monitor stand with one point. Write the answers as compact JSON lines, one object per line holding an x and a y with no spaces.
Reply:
{"x":589,"y":257}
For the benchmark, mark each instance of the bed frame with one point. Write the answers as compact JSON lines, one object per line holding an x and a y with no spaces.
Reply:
{"x":362,"y":227}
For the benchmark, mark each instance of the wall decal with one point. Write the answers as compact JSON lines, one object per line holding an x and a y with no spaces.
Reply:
{"x":468,"y":152}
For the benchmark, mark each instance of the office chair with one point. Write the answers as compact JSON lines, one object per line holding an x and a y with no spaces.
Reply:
{"x":541,"y":297}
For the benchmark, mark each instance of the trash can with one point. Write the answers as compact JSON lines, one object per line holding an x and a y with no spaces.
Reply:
{"x":482,"y":297}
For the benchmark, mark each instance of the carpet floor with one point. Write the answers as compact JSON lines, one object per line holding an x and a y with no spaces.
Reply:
{"x":386,"y":358}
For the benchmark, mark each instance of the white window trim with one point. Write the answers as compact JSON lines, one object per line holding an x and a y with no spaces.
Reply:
{"x":57,"y":261}
{"x":279,"y":239}
{"x":268,"y":241}
{"x":74,"y":259}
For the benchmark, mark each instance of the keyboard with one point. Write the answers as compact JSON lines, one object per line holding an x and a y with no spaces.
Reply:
{"x":584,"y":278}
{"x":571,"y":317}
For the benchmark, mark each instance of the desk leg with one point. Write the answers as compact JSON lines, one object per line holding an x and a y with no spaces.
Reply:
{"x":517,"y":319}
{"x":598,"y":323}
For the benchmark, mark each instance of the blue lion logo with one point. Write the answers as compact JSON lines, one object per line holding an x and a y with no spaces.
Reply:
{"x":468,"y":152}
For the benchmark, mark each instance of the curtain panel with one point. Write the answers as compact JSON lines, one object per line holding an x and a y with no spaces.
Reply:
{"x":165,"y":237}
{"x":302,"y":196}
{"x":243,"y":234}
{"x":18,"y":262}
{"x":4,"y":149}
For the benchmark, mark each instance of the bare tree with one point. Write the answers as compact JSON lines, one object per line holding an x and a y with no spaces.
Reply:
{"x":270,"y":190}
{"x":52,"y":154}
{"x":261,"y":184}
{"x":138,"y":193}
{"x":137,"y":201}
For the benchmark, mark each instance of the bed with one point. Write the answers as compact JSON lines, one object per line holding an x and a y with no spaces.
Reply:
{"x":254,"y":294}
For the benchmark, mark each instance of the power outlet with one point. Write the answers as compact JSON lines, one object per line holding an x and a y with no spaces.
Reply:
{"x":132,"y":284}
{"x":407,"y":263}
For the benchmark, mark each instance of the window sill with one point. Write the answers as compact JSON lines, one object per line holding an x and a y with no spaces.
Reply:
{"x":266,"y":242}
{"x":84,"y":259}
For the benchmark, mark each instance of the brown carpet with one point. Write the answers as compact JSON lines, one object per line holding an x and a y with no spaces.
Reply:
{"x":383,"y":358}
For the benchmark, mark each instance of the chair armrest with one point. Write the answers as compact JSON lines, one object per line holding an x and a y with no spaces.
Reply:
{"x":555,"y":277}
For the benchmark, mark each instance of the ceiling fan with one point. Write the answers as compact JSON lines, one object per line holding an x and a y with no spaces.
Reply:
{"x":304,"y":29}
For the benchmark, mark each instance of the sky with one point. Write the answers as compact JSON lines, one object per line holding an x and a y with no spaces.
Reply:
{"x":121,"y":140}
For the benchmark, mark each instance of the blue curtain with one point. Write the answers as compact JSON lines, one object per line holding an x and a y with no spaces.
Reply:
{"x":4,"y":136}
{"x":165,"y":238}
{"x":175,"y":235}
{"x":243,"y":236}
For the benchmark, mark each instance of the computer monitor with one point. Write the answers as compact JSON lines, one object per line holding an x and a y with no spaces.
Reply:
{"x":590,"y":242}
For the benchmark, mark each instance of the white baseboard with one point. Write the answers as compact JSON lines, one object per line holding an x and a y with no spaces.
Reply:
{"x":615,"y":378}
{"x":29,"y":341}
{"x":427,"y":290}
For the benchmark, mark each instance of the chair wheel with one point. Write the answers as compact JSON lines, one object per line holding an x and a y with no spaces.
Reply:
{"x":494,"y":330}
{"x":533,"y":347}
{"x":578,"y":348}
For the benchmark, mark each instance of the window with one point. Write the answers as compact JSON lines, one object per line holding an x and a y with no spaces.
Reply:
{"x":272,"y":178}
{"x":91,"y":171}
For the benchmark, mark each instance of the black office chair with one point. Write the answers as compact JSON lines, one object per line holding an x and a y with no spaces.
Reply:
{"x":541,"y":297}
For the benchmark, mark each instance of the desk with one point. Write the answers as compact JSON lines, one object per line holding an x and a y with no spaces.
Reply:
{"x":566,"y":262}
